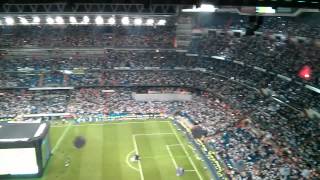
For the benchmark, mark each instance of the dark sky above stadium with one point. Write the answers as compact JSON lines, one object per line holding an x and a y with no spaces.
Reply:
{"x":272,"y":3}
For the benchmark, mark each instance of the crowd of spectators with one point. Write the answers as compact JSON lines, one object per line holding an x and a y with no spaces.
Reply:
{"x":241,"y":146}
{"x":304,"y":25}
{"x":138,"y":68}
{"x":19,"y":102}
{"x":278,"y":56}
{"x":254,"y":142}
{"x":275,"y":144}
{"x":86,"y":36}
{"x":256,"y":120}
{"x":108,"y":60}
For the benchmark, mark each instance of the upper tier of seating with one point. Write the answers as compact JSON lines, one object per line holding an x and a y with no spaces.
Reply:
{"x":86,"y":36}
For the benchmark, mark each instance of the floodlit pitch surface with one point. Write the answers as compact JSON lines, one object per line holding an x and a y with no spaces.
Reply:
{"x":109,"y":147}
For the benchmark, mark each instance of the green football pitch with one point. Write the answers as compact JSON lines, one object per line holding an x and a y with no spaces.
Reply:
{"x":109,"y":147}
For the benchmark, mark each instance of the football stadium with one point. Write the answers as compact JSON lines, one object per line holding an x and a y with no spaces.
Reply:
{"x":160,"y":90}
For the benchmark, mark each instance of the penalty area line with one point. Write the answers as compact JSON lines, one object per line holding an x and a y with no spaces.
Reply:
{"x":137,"y":151}
{"x":185,"y":150}
{"x":171,"y":156}
{"x":174,"y":161}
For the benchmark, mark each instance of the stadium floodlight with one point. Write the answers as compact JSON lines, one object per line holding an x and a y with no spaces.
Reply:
{"x":85,"y":20}
{"x":59,"y":20}
{"x":72,"y":20}
{"x":9,"y":20}
{"x":50,"y":20}
{"x":112,"y":21}
{"x":137,"y":21}
{"x":202,"y":8}
{"x":99,"y":20}
{"x":149,"y":22}
{"x":125,"y":21}
{"x":162,"y":22}
{"x":23,"y":20}
{"x":265,"y":10}
{"x":36,"y":20}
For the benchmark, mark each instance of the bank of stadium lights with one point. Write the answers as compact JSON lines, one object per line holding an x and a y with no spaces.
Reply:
{"x":59,"y":20}
{"x":99,"y":20}
{"x":112,"y":21}
{"x":162,"y":22}
{"x":73,"y":20}
{"x":9,"y":20}
{"x":36,"y":20}
{"x":137,"y":22}
{"x":125,"y":21}
{"x":50,"y":20}
{"x":265,"y":10}
{"x":202,"y":8}
{"x":23,"y":21}
{"x":150,"y":22}
{"x":85,"y":20}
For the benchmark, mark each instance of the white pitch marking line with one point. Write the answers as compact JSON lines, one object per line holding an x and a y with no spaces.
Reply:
{"x":129,"y":164}
{"x":154,"y":134}
{"x":184,"y":149}
{"x":61,"y":138}
{"x":191,"y":170}
{"x":160,"y":156}
{"x":174,"y":144}
{"x":136,"y":146}
{"x":171,"y":156}
{"x":116,"y":123}
{"x":137,"y":151}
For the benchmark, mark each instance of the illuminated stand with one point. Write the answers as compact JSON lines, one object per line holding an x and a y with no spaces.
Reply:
{"x":24,"y":149}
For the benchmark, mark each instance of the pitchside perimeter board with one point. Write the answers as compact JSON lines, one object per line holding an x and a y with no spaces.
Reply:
{"x":24,"y":149}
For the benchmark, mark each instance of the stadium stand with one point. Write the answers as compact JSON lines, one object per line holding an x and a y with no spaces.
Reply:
{"x":86,"y":36}
{"x":256,"y":120}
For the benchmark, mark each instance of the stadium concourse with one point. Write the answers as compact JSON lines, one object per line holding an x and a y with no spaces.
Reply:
{"x":261,"y":118}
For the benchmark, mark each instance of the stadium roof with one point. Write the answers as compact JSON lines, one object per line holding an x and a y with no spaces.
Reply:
{"x":314,"y":4}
